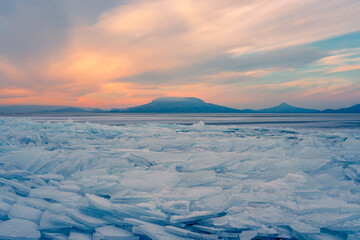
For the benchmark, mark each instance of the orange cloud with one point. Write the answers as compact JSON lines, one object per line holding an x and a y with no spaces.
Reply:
{"x":345,"y":68}
{"x":151,"y":36}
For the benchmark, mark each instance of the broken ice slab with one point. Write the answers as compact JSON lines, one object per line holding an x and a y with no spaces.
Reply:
{"x":37,"y":203}
{"x":17,"y":173}
{"x":138,"y":161}
{"x":19,"y":187}
{"x":351,"y":173}
{"x":188,"y":234}
{"x":208,"y":161}
{"x":137,"y":211}
{"x":69,"y":188}
{"x":99,"y":202}
{"x":190,"y":194}
{"x":127,"y":196}
{"x":346,"y":226}
{"x":55,"y":236}
{"x":110,"y":232}
{"x":321,"y":236}
{"x":4,"y":209}
{"x":300,"y":227}
{"x":23,"y":159}
{"x":51,"y":176}
{"x":177,"y":231}
{"x":76,"y":235}
{"x":326,"y":219}
{"x":354,"y":236}
{"x":88,"y":220}
{"x":47,"y":223}
{"x":326,"y":204}
{"x":179,"y":207}
{"x":147,"y":181}
{"x":52,"y":221}
{"x":131,"y":200}
{"x":19,"y":229}
{"x":196,"y":178}
{"x":25,"y":212}
{"x":195,"y":216}
{"x":154,"y":220}
{"x":247,"y":235}
{"x":50,"y":192}
{"x":151,"y":230}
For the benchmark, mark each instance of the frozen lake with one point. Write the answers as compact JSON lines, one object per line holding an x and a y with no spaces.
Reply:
{"x":239,"y":176}
{"x":312,"y":120}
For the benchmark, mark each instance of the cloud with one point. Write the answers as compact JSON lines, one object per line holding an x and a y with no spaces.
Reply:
{"x":344,"y":68}
{"x":339,"y":61}
{"x":265,"y":63}
{"x":77,"y":49}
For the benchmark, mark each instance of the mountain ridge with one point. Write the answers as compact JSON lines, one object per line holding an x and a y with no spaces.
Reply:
{"x":170,"y":105}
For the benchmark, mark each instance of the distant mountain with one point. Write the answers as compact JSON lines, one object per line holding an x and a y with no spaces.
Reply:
{"x":67,"y":110}
{"x":169,"y":105}
{"x":178,"y":105}
{"x":12,"y":109}
{"x":352,"y":109}
{"x":286,"y":108}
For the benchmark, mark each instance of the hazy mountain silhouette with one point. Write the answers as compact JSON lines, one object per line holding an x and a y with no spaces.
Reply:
{"x":352,"y":109}
{"x":286,"y":108}
{"x":13,"y":109}
{"x":178,"y":105}
{"x":170,"y":105}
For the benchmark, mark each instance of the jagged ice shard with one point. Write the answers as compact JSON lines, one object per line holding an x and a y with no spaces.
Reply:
{"x":71,"y":180}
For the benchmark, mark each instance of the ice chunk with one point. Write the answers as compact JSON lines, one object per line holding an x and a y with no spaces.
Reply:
{"x":183,"y":193}
{"x":37,"y":203}
{"x":147,"y":181}
{"x":176,"y":207}
{"x":19,"y":229}
{"x":209,"y":229}
{"x":76,"y":235}
{"x":50,"y":176}
{"x":49,"y":192}
{"x":86,"y":219}
{"x":10,"y":174}
{"x":23,"y":159}
{"x":4,"y":209}
{"x":111,"y":232}
{"x":25,"y":212}
{"x":195,"y":216}
{"x":197,"y":178}
{"x":137,"y":211}
{"x":69,"y":188}
{"x":304,"y":228}
{"x":132,"y":199}
{"x":177,"y":231}
{"x":52,"y":221}
{"x":55,"y":236}
{"x":47,"y":222}
{"x":99,"y":202}
{"x":247,"y":235}
{"x":200,"y":126}
{"x":139,"y":161}
{"x":152,"y":231}
{"x":19,"y":187}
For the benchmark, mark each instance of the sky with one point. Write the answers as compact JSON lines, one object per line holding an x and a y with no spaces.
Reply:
{"x":237,"y":53}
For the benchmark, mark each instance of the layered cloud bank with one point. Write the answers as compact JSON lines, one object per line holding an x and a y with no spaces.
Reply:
{"x":123,"y":54}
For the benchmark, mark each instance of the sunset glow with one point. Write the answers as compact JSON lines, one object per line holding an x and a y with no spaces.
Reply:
{"x":241,"y":54}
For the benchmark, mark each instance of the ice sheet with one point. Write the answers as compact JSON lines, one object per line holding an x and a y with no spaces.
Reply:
{"x":69,"y":180}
